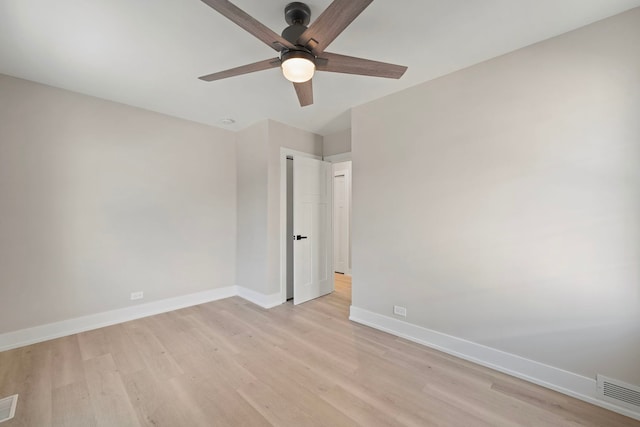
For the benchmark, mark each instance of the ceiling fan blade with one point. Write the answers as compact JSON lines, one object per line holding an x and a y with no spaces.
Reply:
{"x":304,"y":92}
{"x":250,"y":24}
{"x":331,"y":23}
{"x":352,"y":65}
{"x":244,"y":69}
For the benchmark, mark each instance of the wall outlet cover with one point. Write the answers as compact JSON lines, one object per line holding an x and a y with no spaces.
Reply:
{"x":400,"y":311}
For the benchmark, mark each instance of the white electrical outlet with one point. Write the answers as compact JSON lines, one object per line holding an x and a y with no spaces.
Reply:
{"x":400,"y":311}
{"x":137,"y":295}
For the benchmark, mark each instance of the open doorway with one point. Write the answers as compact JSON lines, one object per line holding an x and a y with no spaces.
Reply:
{"x":342,"y":228}
{"x":306,"y":222}
{"x":342,"y":288}
{"x":342,"y":217}
{"x":337,"y":236}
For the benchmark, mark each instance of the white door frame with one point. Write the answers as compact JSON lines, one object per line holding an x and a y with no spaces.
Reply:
{"x":338,"y":158}
{"x":284,"y":152}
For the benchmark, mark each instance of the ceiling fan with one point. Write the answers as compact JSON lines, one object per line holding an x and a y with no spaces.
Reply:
{"x":302,"y":48}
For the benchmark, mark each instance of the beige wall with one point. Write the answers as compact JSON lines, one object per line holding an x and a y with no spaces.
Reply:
{"x":251,"y":148}
{"x":501,"y":204}
{"x":99,"y":199}
{"x":337,"y":143}
{"x":259,"y":200}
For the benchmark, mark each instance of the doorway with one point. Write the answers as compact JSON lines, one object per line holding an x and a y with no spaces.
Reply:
{"x":306,"y":224}
{"x":340,"y":171}
{"x":342,"y":229}
{"x":342,"y":217}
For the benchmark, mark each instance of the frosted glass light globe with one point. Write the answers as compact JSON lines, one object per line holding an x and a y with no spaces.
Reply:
{"x":298,"y":69}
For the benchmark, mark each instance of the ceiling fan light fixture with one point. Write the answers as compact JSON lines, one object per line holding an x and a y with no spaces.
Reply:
{"x":298,"y":66}
{"x":300,"y":45}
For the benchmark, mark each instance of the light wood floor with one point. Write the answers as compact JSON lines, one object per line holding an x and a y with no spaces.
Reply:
{"x":232,"y":363}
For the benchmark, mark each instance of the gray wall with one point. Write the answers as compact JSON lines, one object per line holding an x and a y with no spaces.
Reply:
{"x":501,"y":203}
{"x":337,"y":143}
{"x":99,"y":199}
{"x":251,"y":149}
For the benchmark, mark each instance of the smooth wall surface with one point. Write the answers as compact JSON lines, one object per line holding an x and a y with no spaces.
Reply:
{"x":501,"y":204}
{"x":98,"y":200}
{"x":337,"y":143}
{"x":252,"y":149}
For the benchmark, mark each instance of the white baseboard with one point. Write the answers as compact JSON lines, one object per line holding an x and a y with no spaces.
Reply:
{"x":264,"y":301}
{"x":63,"y":328}
{"x":23,"y":337}
{"x":569,"y":383}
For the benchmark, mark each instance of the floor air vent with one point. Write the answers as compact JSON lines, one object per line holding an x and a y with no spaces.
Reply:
{"x":8,"y":407}
{"x":620,"y":393}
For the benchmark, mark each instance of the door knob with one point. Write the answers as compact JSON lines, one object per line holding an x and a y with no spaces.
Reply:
{"x":299,"y":237}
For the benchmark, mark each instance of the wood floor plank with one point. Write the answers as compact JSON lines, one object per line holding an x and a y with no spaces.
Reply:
{"x":298,"y":391}
{"x":67,"y":360}
{"x":9,"y":362}
{"x":222,"y":405}
{"x":30,"y":379}
{"x":232,"y":363}
{"x":215,"y":338}
{"x":109,"y":400}
{"x":481,"y":402}
{"x":274,"y":407}
{"x":123,"y":349}
{"x":93,"y":343}
{"x":365,"y":413}
{"x":154,"y":355}
{"x":160,"y":402}
{"x":72,"y":406}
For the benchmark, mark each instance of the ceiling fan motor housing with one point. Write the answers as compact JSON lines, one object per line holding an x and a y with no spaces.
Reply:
{"x":298,"y":16}
{"x":293,"y":32}
{"x":303,"y":54}
{"x":297,"y":13}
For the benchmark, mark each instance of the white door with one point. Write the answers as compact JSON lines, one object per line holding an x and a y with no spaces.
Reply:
{"x":312,"y":248}
{"x":341,"y":221}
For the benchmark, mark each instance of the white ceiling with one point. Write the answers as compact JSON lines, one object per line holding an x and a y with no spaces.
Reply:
{"x":149,"y":53}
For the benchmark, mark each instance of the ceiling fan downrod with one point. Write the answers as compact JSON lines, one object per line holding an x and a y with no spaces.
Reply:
{"x":298,"y":16}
